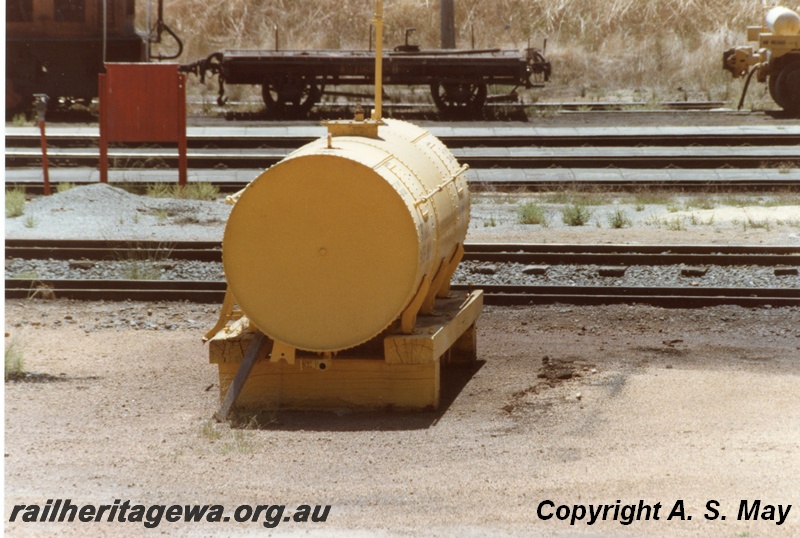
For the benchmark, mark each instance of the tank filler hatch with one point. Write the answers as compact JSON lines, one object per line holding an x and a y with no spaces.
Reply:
{"x":358,"y":126}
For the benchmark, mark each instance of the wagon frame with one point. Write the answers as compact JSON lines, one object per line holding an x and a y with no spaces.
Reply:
{"x":293,"y":81}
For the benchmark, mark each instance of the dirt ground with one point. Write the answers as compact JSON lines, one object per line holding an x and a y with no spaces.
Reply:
{"x":656,"y":405}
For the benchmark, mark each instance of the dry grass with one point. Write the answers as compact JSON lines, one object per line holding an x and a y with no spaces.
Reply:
{"x":646,"y":49}
{"x":15,"y":202}
{"x":191,"y":191}
{"x":532,"y":213}
{"x":15,"y":362}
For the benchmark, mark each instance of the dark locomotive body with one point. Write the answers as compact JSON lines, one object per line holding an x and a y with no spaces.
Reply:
{"x":56,"y":47}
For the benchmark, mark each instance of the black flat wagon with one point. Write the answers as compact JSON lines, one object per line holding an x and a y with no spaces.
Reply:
{"x":293,"y":81}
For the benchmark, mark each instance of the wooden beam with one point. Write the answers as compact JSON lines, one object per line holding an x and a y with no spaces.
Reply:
{"x":239,"y":379}
{"x":362,"y":383}
{"x":434,"y":335}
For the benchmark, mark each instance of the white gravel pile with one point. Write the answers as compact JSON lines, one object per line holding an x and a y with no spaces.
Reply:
{"x":100,"y":211}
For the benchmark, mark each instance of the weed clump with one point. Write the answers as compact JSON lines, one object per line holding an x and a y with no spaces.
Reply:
{"x":676,"y":224}
{"x":191,"y":191}
{"x":575,"y":215}
{"x":15,"y":362}
{"x":159,"y":190}
{"x":619,"y":219}
{"x":15,"y":202}
{"x":64,"y":187}
{"x":532,"y":213}
{"x":144,"y":263}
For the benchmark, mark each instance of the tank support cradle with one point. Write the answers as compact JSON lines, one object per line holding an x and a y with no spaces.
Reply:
{"x":393,"y":370}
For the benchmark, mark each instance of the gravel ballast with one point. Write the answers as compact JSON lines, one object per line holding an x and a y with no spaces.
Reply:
{"x":467,"y":273}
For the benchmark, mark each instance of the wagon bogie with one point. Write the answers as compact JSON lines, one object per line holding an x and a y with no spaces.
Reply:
{"x":291,"y":93}
{"x":455,"y":97}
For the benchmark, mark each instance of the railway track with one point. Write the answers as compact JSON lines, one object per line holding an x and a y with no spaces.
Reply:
{"x":475,"y":157}
{"x":519,"y":158}
{"x":501,"y":295}
{"x":492,"y":109}
{"x":212,"y":291}
{"x":218,"y":137}
{"x":211,"y":251}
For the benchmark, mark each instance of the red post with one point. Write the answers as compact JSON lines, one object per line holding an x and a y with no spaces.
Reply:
{"x":181,"y":112}
{"x":103,"y":129}
{"x":45,"y":167}
{"x":41,"y":108}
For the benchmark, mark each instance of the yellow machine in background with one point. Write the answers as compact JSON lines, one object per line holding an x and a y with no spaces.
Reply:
{"x":775,"y":61}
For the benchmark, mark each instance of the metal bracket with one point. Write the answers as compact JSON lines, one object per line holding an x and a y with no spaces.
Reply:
{"x":281,"y":351}
{"x":409,"y":316}
{"x":225,"y":315}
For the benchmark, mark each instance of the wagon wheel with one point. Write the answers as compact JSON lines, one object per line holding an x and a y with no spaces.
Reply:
{"x":293,"y":96}
{"x":540,"y":67}
{"x":456,"y":98}
{"x":787,"y":89}
{"x":773,"y":87}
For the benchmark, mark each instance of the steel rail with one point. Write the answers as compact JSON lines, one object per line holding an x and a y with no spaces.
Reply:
{"x":670,"y":297}
{"x":485,"y":180}
{"x":501,"y":158}
{"x":480,"y":158}
{"x":483,"y":137}
{"x":501,"y":103}
{"x":564,"y":254}
{"x":213,"y":292}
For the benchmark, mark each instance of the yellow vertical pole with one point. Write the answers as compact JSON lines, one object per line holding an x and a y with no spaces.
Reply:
{"x":378,"y":22}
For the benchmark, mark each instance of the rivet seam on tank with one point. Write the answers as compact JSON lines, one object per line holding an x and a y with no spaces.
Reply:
{"x":398,"y":172}
{"x":437,"y":165}
{"x":412,"y":188}
{"x":440,"y":164}
{"x":441,"y":172}
{"x":415,"y":188}
{"x":384,"y":162}
{"x":446,"y":158}
{"x":421,"y":136}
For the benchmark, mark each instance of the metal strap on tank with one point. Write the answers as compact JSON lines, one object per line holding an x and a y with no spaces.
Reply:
{"x":442,"y":185}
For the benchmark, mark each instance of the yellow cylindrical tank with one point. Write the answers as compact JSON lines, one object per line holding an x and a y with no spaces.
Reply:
{"x":324,"y":250}
{"x":783,"y":21}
